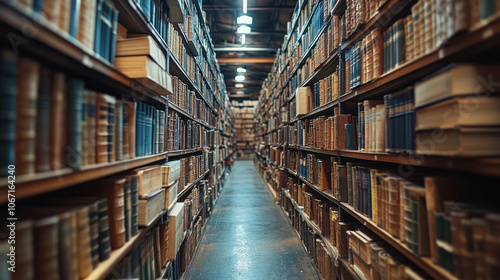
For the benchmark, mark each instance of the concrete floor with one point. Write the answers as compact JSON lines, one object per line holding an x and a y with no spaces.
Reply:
{"x":248,"y":236}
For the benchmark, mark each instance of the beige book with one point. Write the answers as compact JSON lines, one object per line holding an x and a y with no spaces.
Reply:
{"x":380,"y":128}
{"x":150,"y":179}
{"x":150,"y":207}
{"x":145,"y":71}
{"x":458,"y":80}
{"x":86,"y":24}
{"x":141,"y":46}
{"x":459,"y":111}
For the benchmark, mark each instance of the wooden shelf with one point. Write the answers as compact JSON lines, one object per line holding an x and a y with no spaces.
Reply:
{"x":424,"y":263}
{"x":31,"y":185}
{"x":190,"y":185}
{"x":105,"y":267}
{"x":488,"y":166}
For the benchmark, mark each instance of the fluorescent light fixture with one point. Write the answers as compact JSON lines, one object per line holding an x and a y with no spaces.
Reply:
{"x":244,"y":29}
{"x":240,"y":78}
{"x":243,"y":39}
{"x":244,"y":6}
{"x":239,"y":86}
{"x":240,"y":92}
{"x":241,"y":70}
{"x":244,"y":20}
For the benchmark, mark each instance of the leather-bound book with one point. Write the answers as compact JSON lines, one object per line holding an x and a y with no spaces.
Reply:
{"x":26,"y":113}
{"x":46,"y":247}
{"x":74,"y":129}
{"x":57,"y":124}
{"x":8,"y":71}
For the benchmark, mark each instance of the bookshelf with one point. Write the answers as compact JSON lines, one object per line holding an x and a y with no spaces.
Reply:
{"x":285,"y":139}
{"x":58,"y":50}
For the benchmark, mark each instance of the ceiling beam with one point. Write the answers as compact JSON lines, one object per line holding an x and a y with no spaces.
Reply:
{"x":252,"y":33}
{"x":254,"y":8}
{"x":245,"y":59}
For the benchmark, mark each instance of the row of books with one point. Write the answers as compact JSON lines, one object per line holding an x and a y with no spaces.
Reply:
{"x":389,"y":125}
{"x":371,"y":258}
{"x":315,"y":170}
{"x":156,"y":13}
{"x":363,"y":61}
{"x":327,"y":264}
{"x":187,"y":100}
{"x":67,"y":235}
{"x":184,"y":134}
{"x":84,"y":127}
{"x":92,"y":23}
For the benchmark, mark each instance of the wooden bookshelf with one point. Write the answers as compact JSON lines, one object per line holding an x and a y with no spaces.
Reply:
{"x":183,"y":112}
{"x":184,"y":152}
{"x":36,"y":184}
{"x":192,"y":184}
{"x":105,"y":267}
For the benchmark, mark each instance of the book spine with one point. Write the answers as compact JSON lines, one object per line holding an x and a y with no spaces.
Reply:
{"x":8,"y":71}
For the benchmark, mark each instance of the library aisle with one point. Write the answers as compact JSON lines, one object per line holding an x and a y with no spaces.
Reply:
{"x":248,"y":236}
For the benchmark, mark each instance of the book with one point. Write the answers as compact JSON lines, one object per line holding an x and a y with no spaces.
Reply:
{"x":149,"y":179}
{"x":146,"y":71}
{"x":170,"y":172}
{"x":150,"y":207}
{"x":455,"y":80}
{"x":141,"y":46}
{"x":485,"y":113}
{"x":175,"y":230}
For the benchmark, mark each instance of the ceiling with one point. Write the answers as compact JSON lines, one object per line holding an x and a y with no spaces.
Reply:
{"x":270,"y":18}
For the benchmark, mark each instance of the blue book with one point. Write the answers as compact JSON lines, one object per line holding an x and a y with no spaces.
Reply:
{"x":74,"y":123}
{"x":8,"y":71}
{"x":349,"y":136}
{"x":98,"y":27}
{"x":74,"y":16}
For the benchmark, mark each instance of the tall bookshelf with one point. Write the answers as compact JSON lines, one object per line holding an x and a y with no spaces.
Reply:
{"x":327,"y":50}
{"x":34,"y":33}
{"x":244,"y":127}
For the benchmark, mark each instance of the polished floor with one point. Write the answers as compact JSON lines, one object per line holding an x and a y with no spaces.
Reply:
{"x":248,"y":236}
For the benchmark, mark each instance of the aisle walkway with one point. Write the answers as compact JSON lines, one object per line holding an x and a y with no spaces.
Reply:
{"x":248,"y":236}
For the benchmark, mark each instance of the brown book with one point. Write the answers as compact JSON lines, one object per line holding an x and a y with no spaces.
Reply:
{"x":26,"y":113}
{"x":103,"y":134}
{"x":64,"y":14}
{"x":57,"y":123}
{"x":84,"y":246}
{"x":46,"y":247}
{"x":341,"y":235}
{"x":479,"y":247}
{"x":113,"y":190}
{"x":25,"y":255}
{"x":339,"y":123}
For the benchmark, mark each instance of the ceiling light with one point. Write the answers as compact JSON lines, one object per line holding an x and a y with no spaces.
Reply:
{"x":244,"y":20}
{"x":243,"y":39}
{"x":244,"y":6}
{"x":241,"y":70}
{"x":239,"y":86}
{"x":240,"y":92}
{"x":244,"y":29}
{"x":240,"y":78}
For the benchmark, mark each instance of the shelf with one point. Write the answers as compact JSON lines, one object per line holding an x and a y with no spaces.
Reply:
{"x":190,"y":185}
{"x":188,"y":44}
{"x":187,"y":115}
{"x":105,"y":267}
{"x":184,"y":152}
{"x":424,"y":263}
{"x":31,"y":185}
{"x":488,"y":166}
